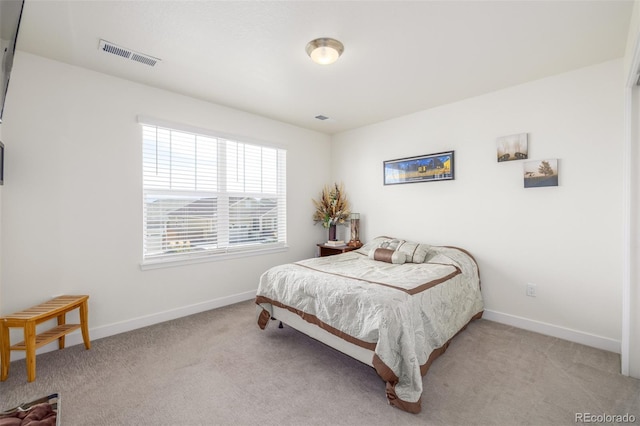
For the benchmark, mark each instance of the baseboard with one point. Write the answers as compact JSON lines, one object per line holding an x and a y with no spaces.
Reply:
{"x":552,"y":330}
{"x":75,"y":338}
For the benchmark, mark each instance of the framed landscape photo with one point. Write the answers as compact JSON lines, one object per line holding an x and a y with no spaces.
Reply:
{"x":422,"y":168}
{"x":512,"y":147}
{"x":541,"y":173}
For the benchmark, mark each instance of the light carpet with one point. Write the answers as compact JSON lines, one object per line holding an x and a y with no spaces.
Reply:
{"x":219,"y":368}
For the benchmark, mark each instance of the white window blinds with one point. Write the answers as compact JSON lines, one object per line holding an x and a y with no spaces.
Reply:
{"x":206,"y":195}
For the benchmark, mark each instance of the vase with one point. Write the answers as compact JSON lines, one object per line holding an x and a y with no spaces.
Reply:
{"x":332,"y":233}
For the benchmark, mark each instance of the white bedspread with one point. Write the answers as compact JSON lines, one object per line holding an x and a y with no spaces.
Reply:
{"x":405,"y":312}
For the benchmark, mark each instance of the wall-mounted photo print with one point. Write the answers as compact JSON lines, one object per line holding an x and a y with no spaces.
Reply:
{"x":423,"y":168}
{"x":513,"y":147}
{"x":540,"y":173}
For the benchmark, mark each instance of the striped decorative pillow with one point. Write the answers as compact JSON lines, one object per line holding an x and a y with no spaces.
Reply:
{"x":414,"y":252}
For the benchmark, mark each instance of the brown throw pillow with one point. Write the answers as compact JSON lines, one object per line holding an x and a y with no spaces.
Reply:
{"x":388,"y":255}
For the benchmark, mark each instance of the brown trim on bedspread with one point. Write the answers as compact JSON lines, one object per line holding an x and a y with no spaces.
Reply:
{"x":381,"y":368}
{"x":314,"y":320}
{"x":392,"y":380}
{"x":411,"y":291}
{"x":263,"y":319}
{"x":390,"y":388}
{"x":437,"y":352}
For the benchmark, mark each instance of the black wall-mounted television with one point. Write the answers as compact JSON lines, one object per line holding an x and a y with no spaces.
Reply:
{"x":10,"y":16}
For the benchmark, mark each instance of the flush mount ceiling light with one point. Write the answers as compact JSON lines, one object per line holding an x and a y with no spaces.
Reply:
{"x":324,"y":51}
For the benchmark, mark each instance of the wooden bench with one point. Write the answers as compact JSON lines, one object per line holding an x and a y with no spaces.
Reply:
{"x":29,"y":318}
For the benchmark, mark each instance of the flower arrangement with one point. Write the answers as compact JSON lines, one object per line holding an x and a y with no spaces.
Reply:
{"x":332,"y":208}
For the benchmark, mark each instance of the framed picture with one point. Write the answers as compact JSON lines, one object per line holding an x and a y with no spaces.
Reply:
{"x":423,"y":168}
{"x":540,"y":173}
{"x":512,"y":147}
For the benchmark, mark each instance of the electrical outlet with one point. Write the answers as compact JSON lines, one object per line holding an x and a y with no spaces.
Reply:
{"x":531,"y":290}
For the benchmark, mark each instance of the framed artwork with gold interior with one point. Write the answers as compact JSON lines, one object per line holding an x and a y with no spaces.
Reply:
{"x":422,"y":168}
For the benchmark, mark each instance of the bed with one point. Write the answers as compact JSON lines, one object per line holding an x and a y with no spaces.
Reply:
{"x":392,"y":304}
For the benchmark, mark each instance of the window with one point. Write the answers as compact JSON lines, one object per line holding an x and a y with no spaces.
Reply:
{"x":209,"y":196}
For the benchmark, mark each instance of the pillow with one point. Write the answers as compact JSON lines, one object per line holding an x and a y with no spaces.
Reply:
{"x":372,"y":245}
{"x":391,"y":244}
{"x":388,"y":255}
{"x":414,"y":252}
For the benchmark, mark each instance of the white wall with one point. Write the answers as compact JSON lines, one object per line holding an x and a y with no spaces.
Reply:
{"x":634,"y":290}
{"x":72,"y":200}
{"x":631,"y":359}
{"x":565,"y":239}
{"x":71,"y":204}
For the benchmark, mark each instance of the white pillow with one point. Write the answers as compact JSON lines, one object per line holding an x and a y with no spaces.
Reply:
{"x":415,"y":253}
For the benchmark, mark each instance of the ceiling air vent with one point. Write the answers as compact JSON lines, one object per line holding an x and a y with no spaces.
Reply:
{"x":144,"y":59}
{"x":114,"y":49}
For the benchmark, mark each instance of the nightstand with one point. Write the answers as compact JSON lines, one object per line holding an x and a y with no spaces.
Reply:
{"x":326,"y":250}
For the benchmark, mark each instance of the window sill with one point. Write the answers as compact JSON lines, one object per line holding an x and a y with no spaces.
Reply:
{"x":191,"y":259}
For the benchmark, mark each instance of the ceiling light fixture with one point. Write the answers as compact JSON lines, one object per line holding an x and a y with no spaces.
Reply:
{"x":324,"y":51}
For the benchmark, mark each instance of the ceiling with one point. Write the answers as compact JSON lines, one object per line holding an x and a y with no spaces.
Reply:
{"x":400,"y":56}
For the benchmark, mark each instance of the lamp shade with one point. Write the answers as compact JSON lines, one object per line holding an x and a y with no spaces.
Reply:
{"x":324,"y":51}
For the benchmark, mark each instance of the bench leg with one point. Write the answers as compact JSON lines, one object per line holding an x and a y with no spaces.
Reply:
{"x":30,"y":343}
{"x":5,"y":358}
{"x":61,"y":321}
{"x":84,"y":324}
